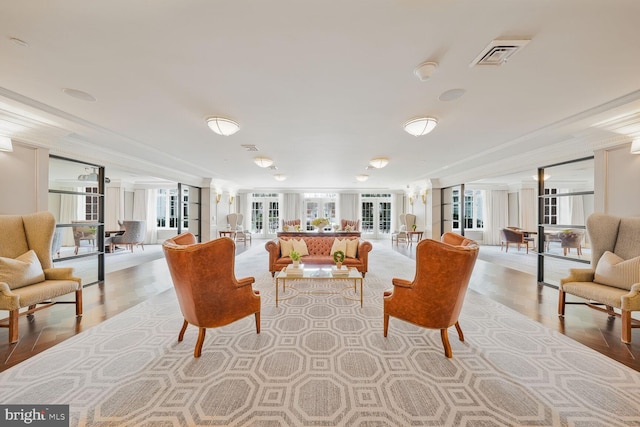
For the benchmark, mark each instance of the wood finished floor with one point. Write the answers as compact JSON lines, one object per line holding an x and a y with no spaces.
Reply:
{"x":125,"y":288}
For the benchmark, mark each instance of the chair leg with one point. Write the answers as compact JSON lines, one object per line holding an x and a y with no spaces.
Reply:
{"x":386,"y":324}
{"x":561,"y":302}
{"x":460,"y":334}
{"x":626,"y":327}
{"x":13,"y":326}
{"x":444,"y":335}
{"x":257,"y":322}
{"x":182,"y":331}
{"x":79,"y":302}
{"x":198,"y":350}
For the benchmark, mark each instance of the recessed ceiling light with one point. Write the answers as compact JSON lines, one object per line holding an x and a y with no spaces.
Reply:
{"x":78,"y":94}
{"x":424,"y":70}
{"x":279,"y":177}
{"x":263,"y":162}
{"x":222,"y":126}
{"x":420,"y":126}
{"x":379,"y":162}
{"x":362,"y":177}
{"x":452,"y":95}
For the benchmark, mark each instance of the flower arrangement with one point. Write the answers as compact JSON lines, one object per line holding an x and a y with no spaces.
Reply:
{"x":294,"y":255}
{"x":297,"y":227}
{"x":414,"y":227}
{"x":338,"y":257}
{"x":320,"y":222}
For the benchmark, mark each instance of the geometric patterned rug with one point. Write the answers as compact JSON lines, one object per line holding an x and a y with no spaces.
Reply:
{"x":321,"y":360}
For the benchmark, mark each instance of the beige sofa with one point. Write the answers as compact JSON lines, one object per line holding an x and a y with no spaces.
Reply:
{"x":27,"y":276}
{"x":614,"y":277}
{"x":319,"y":248}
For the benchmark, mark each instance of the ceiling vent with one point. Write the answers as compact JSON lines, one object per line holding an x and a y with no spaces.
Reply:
{"x":498,"y":52}
{"x":249,"y":147}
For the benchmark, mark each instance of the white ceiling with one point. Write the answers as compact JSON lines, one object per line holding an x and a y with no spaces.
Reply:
{"x":319,"y":87}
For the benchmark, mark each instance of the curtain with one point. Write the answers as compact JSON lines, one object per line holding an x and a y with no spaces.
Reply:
{"x":292,"y":204}
{"x":349,"y":206}
{"x":68,"y":212}
{"x":495,"y":214}
{"x":152,"y":216}
{"x":397,"y":208}
{"x":113,"y":208}
{"x":142,"y":203}
{"x":528,"y":209}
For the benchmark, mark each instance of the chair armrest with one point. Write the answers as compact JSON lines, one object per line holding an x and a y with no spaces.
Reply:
{"x":631,"y":301}
{"x":401,"y":283}
{"x":8,"y":300}
{"x":245,"y":281}
{"x":579,"y":275}
{"x":273,"y":247}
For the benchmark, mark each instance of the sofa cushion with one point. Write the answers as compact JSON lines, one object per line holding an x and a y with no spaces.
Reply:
{"x":352,"y":248}
{"x":613,"y":270}
{"x":22,"y":271}
{"x":338,"y":245}
{"x":300,"y":246}
{"x":286,"y":246}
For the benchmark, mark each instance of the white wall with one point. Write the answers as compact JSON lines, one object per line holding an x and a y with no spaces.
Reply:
{"x":24,"y":180}
{"x":616,"y":181}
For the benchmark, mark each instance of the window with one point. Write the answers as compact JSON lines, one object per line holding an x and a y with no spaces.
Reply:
{"x":319,"y":205}
{"x":550,"y":206}
{"x":473,"y":206}
{"x":91,"y":204}
{"x":167,"y":205}
{"x":375,"y":209}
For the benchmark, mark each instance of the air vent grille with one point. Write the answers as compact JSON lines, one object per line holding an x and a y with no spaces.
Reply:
{"x":249,"y":147}
{"x":498,"y":52}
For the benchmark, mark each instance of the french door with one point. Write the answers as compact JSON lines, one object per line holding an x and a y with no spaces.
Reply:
{"x":376,"y":217}
{"x":265,"y":217}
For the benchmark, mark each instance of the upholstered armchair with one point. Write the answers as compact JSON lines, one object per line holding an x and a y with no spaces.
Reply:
{"x":291,"y":225}
{"x":407,"y":221}
{"x":27,"y":276}
{"x":84,"y":232}
{"x":134,"y":233}
{"x":353,"y":225}
{"x":613,"y":281}
{"x":208,"y":292}
{"x":571,"y":239}
{"x":435,"y":296}
{"x":518,"y":237}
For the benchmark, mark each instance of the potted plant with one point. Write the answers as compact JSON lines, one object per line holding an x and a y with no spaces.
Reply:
{"x":295,"y":257}
{"x":338,"y":258}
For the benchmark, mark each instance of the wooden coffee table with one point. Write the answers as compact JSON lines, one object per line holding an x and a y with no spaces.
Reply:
{"x":319,"y":273}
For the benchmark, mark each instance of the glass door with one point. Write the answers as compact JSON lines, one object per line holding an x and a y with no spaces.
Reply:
{"x":265,"y":216}
{"x":376,"y":216}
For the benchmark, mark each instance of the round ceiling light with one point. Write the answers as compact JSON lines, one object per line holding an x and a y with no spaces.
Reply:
{"x":222,"y":126}
{"x":362,"y":177}
{"x":420,"y":126}
{"x":263,"y":162}
{"x":279,"y":177}
{"x":379,"y":162}
{"x":424,"y":70}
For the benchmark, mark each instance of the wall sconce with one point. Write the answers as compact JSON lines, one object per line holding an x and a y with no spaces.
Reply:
{"x":218,"y":197}
{"x":424,"y":196}
{"x":411,"y":200}
{"x":231,"y":199}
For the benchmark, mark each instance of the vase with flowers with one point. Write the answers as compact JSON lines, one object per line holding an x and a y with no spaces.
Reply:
{"x":320,"y":223}
{"x":295,"y":257}
{"x":338,"y":258}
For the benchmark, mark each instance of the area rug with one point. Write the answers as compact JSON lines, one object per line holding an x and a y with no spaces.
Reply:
{"x":321,"y":360}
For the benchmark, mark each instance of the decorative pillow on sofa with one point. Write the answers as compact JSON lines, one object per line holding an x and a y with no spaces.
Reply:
{"x":338,"y":245}
{"x":352,"y":248}
{"x":300,"y":246}
{"x":286,"y":246}
{"x":22,"y":271}
{"x":615,"y":271}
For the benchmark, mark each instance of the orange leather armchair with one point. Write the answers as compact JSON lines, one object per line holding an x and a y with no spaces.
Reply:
{"x":208,"y":292}
{"x":434,"y":298}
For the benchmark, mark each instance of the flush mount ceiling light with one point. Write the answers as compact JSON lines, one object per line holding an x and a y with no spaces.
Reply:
{"x":279,"y":177}
{"x":222,"y":126}
{"x":362,"y":177}
{"x":379,"y":162}
{"x":635,"y":146}
{"x":424,"y":70}
{"x":420,"y":126}
{"x":78,"y":94}
{"x":263,"y":162}
{"x":5,"y":144}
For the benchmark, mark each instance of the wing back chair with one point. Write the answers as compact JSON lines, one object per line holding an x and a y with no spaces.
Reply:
{"x":27,"y":275}
{"x":353,"y":224}
{"x":290,"y":225}
{"x":434,"y":298}
{"x":401,"y":235}
{"x":134,"y":233}
{"x":206,"y":286}
{"x":614,"y":277}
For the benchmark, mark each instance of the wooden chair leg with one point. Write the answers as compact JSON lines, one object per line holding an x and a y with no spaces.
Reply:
{"x":198,"y":350}
{"x":561,"y":302}
{"x":460,"y":334}
{"x":626,"y":327}
{"x":386,"y":324}
{"x":79,"y":302}
{"x":13,"y":326}
{"x":258,"y":322}
{"x":445,"y":342}
{"x":182,"y":331}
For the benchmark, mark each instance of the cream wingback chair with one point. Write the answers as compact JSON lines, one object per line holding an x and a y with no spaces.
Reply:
{"x":614,"y":277}
{"x":134,"y":233}
{"x":27,"y":276}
